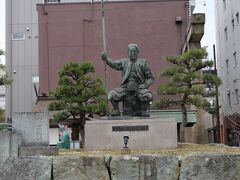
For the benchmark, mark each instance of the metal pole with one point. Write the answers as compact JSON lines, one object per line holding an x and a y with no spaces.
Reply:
{"x":217,"y":101}
{"x":104,"y":38}
{"x":9,"y":56}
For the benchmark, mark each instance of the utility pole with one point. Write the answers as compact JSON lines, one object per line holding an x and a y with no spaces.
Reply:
{"x":217,"y":101}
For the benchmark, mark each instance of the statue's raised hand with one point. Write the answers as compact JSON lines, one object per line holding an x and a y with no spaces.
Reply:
{"x":104,"y":56}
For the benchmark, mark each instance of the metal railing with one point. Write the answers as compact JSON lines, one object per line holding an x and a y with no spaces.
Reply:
{"x":234,"y":133}
{"x":6,"y":126}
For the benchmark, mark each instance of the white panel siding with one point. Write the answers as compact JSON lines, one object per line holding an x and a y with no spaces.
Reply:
{"x":225,"y":50}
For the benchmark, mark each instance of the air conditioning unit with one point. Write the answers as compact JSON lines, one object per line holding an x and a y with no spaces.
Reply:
{"x":51,"y":1}
{"x":178,"y":19}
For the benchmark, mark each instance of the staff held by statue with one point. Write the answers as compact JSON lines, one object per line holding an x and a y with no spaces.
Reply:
{"x":104,"y":38}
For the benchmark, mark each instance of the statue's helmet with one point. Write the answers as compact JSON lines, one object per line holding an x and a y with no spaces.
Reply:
{"x":133,"y":46}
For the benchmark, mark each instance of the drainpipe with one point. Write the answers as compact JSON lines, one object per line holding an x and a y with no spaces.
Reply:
{"x":8,"y":19}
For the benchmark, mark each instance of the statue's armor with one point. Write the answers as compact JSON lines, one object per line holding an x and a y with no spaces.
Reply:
{"x":133,"y":91}
{"x":132,"y":80}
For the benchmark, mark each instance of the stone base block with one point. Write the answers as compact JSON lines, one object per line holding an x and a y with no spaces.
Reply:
{"x":33,"y":127}
{"x":143,"y":134}
{"x":39,"y":151}
{"x":10,"y":141}
{"x":146,"y":167}
{"x":79,"y":168}
{"x":210,"y":167}
{"x":125,"y":151}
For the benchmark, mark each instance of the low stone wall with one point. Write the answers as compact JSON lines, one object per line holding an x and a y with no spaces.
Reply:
{"x":84,"y":168}
{"x":211,"y":167}
{"x":29,"y":168}
{"x":142,"y":167}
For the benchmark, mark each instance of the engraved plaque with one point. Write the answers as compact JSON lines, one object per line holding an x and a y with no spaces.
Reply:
{"x":130,"y":128}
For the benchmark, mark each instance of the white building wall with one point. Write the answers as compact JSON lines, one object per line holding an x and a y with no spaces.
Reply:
{"x":228,"y":36}
{"x":21,"y":54}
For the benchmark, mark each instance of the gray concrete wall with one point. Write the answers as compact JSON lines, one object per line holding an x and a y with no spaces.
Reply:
{"x":33,"y":127}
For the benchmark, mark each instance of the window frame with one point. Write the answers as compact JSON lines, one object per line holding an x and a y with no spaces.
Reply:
{"x":226,"y":33}
{"x":227,"y":66}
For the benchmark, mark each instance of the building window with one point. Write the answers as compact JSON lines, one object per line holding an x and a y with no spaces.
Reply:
{"x":237,"y":18}
{"x":229,"y":97}
{"x":226,"y":33}
{"x":236,"y":96}
{"x":224,"y":5}
{"x":2,"y":102}
{"x":227,"y":65}
{"x":235,"y":58}
{"x":232,"y":23}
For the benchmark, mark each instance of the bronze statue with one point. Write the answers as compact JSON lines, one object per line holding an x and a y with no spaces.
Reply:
{"x":133,"y":91}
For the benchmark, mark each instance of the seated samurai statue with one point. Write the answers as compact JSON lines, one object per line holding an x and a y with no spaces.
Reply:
{"x":133,"y":91}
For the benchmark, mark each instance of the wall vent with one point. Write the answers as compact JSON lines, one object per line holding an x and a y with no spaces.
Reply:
{"x":18,"y":36}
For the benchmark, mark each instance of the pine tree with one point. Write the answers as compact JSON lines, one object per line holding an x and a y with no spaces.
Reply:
{"x":78,"y":93}
{"x":4,"y":80}
{"x":187,"y":80}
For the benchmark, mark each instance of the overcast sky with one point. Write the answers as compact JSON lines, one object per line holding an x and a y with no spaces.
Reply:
{"x":202,"y":6}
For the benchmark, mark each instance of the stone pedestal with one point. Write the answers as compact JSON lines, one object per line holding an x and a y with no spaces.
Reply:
{"x":143,"y":134}
{"x":39,"y":151}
